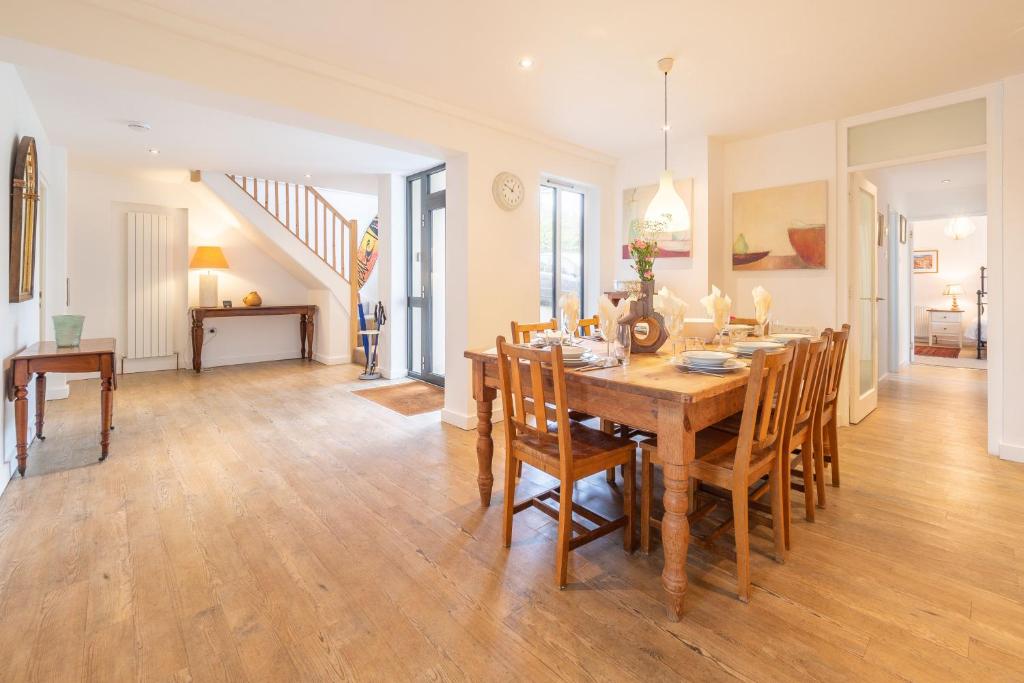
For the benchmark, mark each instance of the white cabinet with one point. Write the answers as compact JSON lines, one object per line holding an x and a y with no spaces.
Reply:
{"x":945,"y":324}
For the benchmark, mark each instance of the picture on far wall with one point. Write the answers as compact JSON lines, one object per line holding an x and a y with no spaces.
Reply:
{"x":926,"y":261}
{"x":781,"y":228}
{"x":634,"y":204}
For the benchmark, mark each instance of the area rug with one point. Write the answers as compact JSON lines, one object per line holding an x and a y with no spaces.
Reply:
{"x":940,"y":351}
{"x":408,"y":398}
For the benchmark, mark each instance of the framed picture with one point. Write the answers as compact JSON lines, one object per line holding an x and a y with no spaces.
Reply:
{"x":883,"y":232}
{"x":903,"y":229}
{"x":926,"y":261}
{"x":24,"y":207}
{"x":781,"y":228}
{"x":226,"y":303}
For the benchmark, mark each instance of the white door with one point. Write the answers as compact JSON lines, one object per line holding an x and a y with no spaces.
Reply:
{"x":863,"y":344}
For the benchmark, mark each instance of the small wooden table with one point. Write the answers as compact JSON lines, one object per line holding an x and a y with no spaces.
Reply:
{"x":306,"y":313}
{"x":648,"y":394}
{"x":91,"y":355}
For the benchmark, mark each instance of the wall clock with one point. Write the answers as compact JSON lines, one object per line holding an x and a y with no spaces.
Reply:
{"x":508,"y":190}
{"x":24,"y":207}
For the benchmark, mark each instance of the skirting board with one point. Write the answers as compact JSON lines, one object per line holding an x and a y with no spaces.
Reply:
{"x":57,"y":393}
{"x":1011,"y":452}
{"x":466,"y":422}
{"x":330,"y":360}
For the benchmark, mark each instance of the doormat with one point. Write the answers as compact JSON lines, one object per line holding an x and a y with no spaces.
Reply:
{"x":939,"y":351}
{"x":408,"y":398}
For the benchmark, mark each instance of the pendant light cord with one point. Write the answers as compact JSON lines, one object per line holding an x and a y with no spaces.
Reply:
{"x":665,"y":127}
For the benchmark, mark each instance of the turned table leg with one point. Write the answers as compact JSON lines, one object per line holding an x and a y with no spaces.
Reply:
{"x":21,"y":413}
{"x":309,"y":335}
{"x":484,"y":396}
{"x":106,"y":404}
{"x":302,"y":334}
{"x":40,"y":404}
{"x":676,"y":449}
{"x":197,"y":343}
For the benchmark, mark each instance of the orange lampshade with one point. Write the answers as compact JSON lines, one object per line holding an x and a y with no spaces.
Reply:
{"x":208,"y":257}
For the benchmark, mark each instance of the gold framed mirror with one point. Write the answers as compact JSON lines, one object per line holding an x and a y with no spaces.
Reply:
{"x":24,"y":210}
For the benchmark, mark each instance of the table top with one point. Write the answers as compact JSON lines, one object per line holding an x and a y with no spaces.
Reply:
{"x":649,"y":374}
{"x":49,"y":349}
{"x":220,"y":311}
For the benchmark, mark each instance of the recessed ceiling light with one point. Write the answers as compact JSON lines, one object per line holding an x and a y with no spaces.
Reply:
{"x":139,"y":126}
{"x":667,"y":127}
{"x":309,"y":175}
{"x":154,"y":151}
{"x":526,"y":62}
{"x":946,"y":181}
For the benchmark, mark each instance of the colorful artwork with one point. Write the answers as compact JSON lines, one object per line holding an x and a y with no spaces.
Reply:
{"x":781,"y":228}
{"x":926,"y":260}
{"x":634,"y":205}
{"x":366,"y":255}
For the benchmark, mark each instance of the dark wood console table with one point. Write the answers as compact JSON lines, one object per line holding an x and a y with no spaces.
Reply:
{"x":306,"y":313}
{"x":91,"y":355}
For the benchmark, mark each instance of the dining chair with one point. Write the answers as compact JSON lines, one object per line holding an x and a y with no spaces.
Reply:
{"x":826,"y":431}
{"x":522,"y":332}
{"x":735,"y":463}
{"x":589,"y":325}
{"x":806,"y":389}
{"x":564,"y":449}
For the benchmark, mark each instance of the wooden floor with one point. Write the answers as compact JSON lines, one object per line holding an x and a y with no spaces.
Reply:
{"x":261,"y":522}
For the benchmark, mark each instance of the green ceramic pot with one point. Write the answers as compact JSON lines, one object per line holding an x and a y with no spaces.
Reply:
{"x":67,"y":329}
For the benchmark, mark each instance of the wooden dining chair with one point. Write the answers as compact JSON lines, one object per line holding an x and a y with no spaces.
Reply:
{"x":589,"y":325}
{"x":522,"y":332}
{"x":735,"y":463}
{"x":564,"y":449}
{"x":826,"y":432}
{"x":806,"y":386}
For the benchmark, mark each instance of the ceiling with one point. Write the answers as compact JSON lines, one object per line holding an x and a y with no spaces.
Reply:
{"x":743,"y":67}
{"x":919,"y":193}
{"x":190,"y":135}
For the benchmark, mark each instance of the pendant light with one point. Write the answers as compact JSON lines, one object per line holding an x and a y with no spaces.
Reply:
{"x":667,"y":205}
{"x":960,"y":228}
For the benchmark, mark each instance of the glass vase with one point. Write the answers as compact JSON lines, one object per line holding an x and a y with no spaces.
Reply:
{"x":67,"y":329}
{"x":623,"y":342}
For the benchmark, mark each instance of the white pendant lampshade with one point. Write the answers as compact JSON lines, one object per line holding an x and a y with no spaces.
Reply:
{"x":960,"y":228}
{"x":667,"y":206}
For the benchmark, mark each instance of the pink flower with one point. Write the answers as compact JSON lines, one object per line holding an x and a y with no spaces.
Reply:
{"x":640,"y":244}
{"x":649,"y":274}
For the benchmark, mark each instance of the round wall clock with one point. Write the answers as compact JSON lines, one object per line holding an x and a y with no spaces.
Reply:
{"x":508,"y":190}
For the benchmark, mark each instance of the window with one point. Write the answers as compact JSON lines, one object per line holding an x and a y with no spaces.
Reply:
{"x":561,"y":246}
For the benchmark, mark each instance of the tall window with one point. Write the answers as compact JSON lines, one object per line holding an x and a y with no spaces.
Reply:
{"x":561,"y":246}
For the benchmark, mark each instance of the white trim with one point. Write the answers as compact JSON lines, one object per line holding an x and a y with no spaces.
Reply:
{"x":469,"y":422}
{"x":57,"y":393}
{"x":397,"y":373}
{"x":331,"y":360}
{"x":918,"y":158}
{"x":1011,"y":452}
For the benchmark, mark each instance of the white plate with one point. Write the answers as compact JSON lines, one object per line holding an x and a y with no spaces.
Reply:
{"x":747,"y":348}
{"x":706,"y":358}
{"x":585,"y":359}
{"x":729,"y":366}
{"x":787,"y":336}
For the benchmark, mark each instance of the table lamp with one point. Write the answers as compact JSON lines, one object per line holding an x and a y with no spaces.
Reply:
{"x":209,"y":259}
{"x":954,"y":290}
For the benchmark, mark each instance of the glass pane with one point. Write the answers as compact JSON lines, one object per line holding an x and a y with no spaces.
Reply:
{"x":547,"y":252}
{"x":415,"y":243}
{"x":437,"y":291}
{"x":866,"y":240}
{"x":416,"y":340}
{"x":437,"y":182}
{"x":570,"y":243}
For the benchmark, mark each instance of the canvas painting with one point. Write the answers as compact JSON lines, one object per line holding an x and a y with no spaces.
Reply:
{"x":634,"y":205}
{"x":781,"y":228}
{"x":926,"y":260}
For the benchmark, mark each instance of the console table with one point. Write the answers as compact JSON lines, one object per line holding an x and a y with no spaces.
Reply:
{"x":91,"y":355}
{"x":306,"y":313}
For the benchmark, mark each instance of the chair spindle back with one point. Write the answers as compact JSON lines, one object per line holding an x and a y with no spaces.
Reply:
{"x":521,"y":332}
{"x":764,"y":407}
{"x":835,"y":359}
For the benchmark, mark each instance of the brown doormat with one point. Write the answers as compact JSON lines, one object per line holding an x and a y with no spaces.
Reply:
{"x":408,"y":398}
{"x":939,"y":351}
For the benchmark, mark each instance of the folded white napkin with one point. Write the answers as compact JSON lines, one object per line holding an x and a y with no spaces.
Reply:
{"x":610,"y":314}
{"x":672,"y":309}
{"x":718,"y":307}
{"x":569,"y":305}
{"x":762,"y":304}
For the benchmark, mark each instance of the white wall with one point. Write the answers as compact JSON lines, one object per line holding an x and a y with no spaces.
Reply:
{"x":959,"y":261}
{"x":98,"y":201}
{"x":20,"y":322}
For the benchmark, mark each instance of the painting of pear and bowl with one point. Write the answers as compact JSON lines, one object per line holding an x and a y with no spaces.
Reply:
{"x":781,"y":228}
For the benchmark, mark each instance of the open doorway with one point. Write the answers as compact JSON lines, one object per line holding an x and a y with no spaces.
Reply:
{"x":426,"y":240}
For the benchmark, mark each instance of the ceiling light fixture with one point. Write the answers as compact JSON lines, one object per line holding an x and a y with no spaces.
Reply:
{"x":960,"y":228}
{"x":308,"y":176}
{"x":139,"y":126}
{"x":667,"y":206}
{"x":946,"y":181}
{"x":526,"y":62}
{"x":154,"y":151}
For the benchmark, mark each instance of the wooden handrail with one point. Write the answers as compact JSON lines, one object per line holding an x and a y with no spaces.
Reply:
{"x":313,"y":221}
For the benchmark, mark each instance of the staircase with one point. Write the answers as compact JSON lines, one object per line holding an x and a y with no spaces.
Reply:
{"x":311,"y":219}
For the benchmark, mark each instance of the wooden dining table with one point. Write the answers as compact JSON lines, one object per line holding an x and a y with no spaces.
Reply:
{"x":649,"y":394}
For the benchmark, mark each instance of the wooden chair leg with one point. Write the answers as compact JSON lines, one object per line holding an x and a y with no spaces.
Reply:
{"x":819,"y":476}
{"x":833,"y":449}
{"x":510,"y":496}
{"x":609,"y":475}
{"x":629,"y":503}
{"x":741,"y":524}
{"x":775,"y":481}
{"x":564,"y":533}
{"x":646,"y":497}
{"x":786,"y":477}
{"x":807,"y":458}
{"x":608,"y":427}
{"x":519,"y":469}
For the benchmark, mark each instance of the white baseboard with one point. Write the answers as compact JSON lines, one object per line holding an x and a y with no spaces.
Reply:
{"x":57,"y":393}
{"x":252,"y":358}
{"x":1011,"y":452}
{"x":133,"y":365}
{"x":468,"y":422}
{"x":331,"y":360}
{"x":394,"y":374}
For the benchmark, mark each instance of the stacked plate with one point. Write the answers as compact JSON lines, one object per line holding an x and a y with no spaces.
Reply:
{"x":715,"y":362}
{"x":746,"y":349}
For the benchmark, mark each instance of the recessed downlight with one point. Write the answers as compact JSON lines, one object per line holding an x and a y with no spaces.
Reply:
{"x":154,"y":151}
{"x":139,"y":126}
{"x":526,"y":62}
{"x":946,"y":181}
{"x":308,"y":176}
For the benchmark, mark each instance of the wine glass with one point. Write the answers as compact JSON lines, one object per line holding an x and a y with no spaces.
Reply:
{"x":571,"y":322}
{"x":761,"y":318}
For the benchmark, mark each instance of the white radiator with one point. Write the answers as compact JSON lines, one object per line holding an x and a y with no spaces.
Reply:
{"x":150,"y":291}
{"x":921,"y":320}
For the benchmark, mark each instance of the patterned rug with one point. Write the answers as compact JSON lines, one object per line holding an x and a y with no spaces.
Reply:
{"x":940,"y":351}
{"x":408,"y":398}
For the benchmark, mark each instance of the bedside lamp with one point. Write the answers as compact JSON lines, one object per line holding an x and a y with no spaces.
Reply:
{"x":209,"y":259}
{"x":954,"y":290}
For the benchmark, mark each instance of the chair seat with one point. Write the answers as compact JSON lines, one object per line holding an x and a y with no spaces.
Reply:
{"x":716,"y":455}
{"x":592,"y":449}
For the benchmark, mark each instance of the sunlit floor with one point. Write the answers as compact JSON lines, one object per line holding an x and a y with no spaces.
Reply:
{"x":262,"y":522}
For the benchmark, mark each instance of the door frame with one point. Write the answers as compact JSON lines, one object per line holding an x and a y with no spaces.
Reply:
{"x":862,"y":403}
{"x":556,"y":253}
{"x":428,"y":202}
{"x":993,"y":148}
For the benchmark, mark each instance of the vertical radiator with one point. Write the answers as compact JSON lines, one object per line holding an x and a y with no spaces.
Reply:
{"x":149,"y":293}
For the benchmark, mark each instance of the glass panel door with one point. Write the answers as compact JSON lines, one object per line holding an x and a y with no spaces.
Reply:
{"x":426,"y":275}
{"x":561,"y":247}
{"x":864,"y":306}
